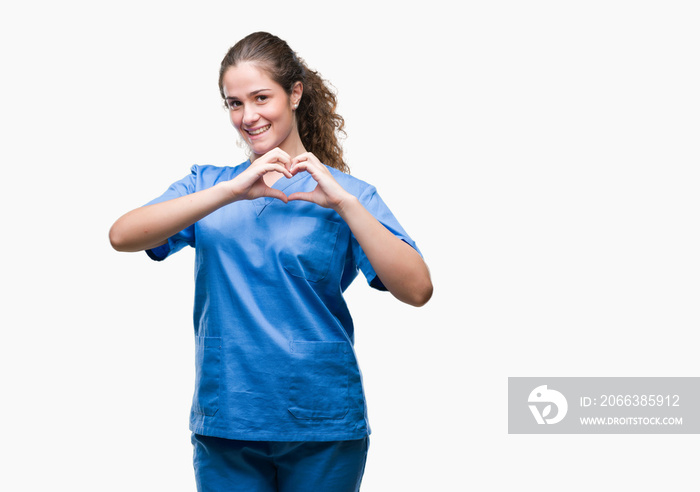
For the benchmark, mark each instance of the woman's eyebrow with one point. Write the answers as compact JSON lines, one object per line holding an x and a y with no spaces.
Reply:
{"x":251,"y":94}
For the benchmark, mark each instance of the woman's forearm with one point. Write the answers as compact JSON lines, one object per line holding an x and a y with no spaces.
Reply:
{"x":152,"y":225}
{"x":400,"y":268}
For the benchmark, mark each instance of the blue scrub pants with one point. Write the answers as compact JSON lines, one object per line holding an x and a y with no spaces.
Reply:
{"x":223,"y":465}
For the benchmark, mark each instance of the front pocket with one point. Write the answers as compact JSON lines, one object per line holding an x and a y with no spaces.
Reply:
{"x":207,"y":375}
{"x":319,"y":380}
{"x":308,"y":248}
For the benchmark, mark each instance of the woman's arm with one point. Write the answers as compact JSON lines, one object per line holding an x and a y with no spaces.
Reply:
{"x":151,"y":226}
{"x":400,"y":268}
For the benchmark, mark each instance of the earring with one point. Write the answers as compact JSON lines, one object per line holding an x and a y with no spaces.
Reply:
{"x":295,"y":106}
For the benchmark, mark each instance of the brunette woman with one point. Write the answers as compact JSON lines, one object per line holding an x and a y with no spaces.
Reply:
{"x":278,"y":402}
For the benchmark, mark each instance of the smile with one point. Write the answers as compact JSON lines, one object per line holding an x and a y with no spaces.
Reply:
{"x":258,"y":131}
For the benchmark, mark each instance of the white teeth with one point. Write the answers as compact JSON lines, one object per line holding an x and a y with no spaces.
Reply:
{"x":260,"y":130}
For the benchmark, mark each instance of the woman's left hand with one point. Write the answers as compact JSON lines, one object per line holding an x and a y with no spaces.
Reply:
{"x":400,"y":268}
{"x":328,"y":193}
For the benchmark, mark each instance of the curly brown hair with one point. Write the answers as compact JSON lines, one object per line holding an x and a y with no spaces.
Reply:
{"x":320,"y":127}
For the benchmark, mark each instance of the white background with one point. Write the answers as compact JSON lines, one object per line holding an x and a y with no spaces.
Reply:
{"x":543,"y":154}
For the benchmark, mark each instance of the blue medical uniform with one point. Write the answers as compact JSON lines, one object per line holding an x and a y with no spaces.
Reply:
{"x":273,"y":334}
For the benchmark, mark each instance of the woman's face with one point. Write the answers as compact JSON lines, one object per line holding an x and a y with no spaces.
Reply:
{"x":261,"y":110}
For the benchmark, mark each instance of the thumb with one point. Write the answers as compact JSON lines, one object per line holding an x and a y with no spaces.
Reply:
{"x":274,"y":193}
{"x":306,"y":196}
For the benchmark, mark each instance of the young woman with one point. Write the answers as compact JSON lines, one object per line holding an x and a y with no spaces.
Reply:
{"x":278,"y":401}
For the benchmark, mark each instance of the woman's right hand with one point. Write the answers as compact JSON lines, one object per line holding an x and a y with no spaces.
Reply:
{"x":151,"y":225}
{"x":250,"y":184}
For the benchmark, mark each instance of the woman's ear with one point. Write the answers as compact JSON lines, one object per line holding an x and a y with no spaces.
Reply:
{"x":297,"y":91}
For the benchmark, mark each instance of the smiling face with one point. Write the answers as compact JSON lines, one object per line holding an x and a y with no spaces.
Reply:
{"x":261,"y":110}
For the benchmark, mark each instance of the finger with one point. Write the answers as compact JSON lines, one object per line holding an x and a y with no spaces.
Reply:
{"x":275,"y":155}
{"x":303,"y":165}
{"x":281,"y":156}
{"x":305,"y":157}
{"x":272,"y":167}
{"x":300,"y":157}
{"x":306,"y":196}
{"x":275,"y":193}
{"x":297,"y":166}
{"x":308,"y":156}
{"x":281,"y":169}
{"x":285,"y":161}
{"x":276,"y":152}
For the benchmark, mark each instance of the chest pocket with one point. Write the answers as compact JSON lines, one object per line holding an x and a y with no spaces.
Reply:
{"x":308,"y":247}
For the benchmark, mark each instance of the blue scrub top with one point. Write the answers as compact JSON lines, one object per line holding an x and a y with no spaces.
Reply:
{"x":273,"y":335}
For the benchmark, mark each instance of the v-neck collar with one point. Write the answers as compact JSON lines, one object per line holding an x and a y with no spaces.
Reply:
{"x":281,"y":184}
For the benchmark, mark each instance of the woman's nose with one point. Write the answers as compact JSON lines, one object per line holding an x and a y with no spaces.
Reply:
{"x":250,"y":115}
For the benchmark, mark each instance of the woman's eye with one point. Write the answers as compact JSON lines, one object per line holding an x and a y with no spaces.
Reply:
{"x":262,"y":98}
{"x":231,"y":104}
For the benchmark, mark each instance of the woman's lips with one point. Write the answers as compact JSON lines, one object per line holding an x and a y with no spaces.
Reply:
{"x":258,"y":131}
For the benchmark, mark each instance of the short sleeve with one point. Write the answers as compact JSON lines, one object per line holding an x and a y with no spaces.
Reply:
{"x":374,"y":204}
{"x":185,"y":186}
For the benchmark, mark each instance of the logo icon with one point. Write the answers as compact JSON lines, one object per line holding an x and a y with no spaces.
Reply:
{"x":544,"y":398}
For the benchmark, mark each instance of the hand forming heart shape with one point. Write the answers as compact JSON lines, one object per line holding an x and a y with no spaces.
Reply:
{"x":263,"y":172}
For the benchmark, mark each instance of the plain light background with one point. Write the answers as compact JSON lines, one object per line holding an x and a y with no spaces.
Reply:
{"x":543,"y":154}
